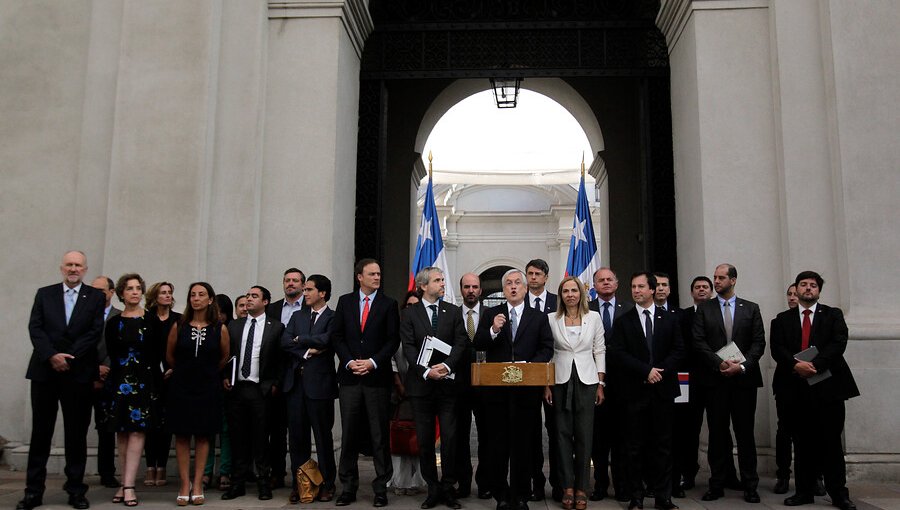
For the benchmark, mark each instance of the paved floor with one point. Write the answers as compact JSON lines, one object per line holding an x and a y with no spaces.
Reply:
{"x":867,"y":496}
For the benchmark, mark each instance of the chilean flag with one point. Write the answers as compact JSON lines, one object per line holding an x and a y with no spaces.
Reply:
{"x":584,"y":258}
{"x":430,"y":246}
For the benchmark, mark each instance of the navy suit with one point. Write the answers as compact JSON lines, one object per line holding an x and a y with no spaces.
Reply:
{"x":815,"y":412}
{"x":648,"y":407}
{"x":370,"y":393}
{"x":310,"y":385}
{"x":432,"y":397}
{"x":513,"y":413}
{"x":608,"y":450}
{"x":731,"y":399}
{"x":70,"y":390}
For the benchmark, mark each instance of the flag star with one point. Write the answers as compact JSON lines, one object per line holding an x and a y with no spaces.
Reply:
{"x":426,"y":230}
{"x":578,"y":231}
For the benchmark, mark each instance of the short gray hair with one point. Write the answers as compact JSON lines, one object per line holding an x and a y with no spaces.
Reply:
{"x":424,"y":275}
{"x":511,"y":271}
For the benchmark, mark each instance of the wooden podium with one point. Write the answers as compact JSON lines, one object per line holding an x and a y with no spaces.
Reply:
{"x":513,"y":374}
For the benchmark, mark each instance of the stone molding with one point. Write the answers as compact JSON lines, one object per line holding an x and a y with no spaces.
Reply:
{"x":354,"y":15}
{"x":674,"y":14}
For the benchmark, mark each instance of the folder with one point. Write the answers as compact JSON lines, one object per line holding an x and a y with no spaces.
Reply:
{"x":434,"y":351}
{"x":731,"y":352}
{"x":809,"y":355}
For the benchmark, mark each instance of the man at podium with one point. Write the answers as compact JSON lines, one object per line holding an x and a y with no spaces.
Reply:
{"x":513,"y":332}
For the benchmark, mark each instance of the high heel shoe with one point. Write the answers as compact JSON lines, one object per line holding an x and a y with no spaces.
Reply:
{"x":568,"y":499}
{"x":184,"y":500}
{"x":198,"y":499}
{"x":118,"y":499}
{"x":150,"y":477}
{"x":580,"y":500}
{"x":130,"y":502}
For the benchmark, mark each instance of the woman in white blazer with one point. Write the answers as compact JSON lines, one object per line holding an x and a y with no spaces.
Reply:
{"x":579,"y":356}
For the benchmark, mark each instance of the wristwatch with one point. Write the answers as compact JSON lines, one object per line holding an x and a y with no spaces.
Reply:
{"x":603,"y":383}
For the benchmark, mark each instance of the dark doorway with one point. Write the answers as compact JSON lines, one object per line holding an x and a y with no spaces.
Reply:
{"x":611,"y":52}
{"x":491,"y":284}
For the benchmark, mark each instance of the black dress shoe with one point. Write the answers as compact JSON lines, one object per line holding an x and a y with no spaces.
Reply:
{"x":380,"y":499}
{"x":325,"y":495}
{"x":598,"y":495}
{"x":636,"y":504}
{"x":451,"y":501}
{"x":782,"y":486}
{"x":665,"y":504}
{"x":622,"y":497}
{"x":678,"y":492}
{"x":486,"y":494}
{"x":844,"y":504}
{"x":109,"y":482}
{"x":820,"y":487}
{"x":556,"y":493}
{"x":345,"y":499}
{"x":751,"y":496}
{"x":799,"y":499}
{"x":236,"y":491}
{"x":29,"y":501}
{"x":79,"y":502}
{"x":430,"y":502}
{"x":713,"y":494}
{"x":265,"y":492}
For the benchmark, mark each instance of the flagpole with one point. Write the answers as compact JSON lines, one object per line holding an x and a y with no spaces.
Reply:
{"x":582,"y":163}
{"x":429,"y":166}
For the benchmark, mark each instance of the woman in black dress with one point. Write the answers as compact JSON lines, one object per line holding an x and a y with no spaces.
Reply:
{"x":196,"y":352}
{"x":130,"y":381}
{"x":160,"y":317}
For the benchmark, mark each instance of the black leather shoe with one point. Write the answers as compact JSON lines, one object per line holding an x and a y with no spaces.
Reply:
{"x":29,"y":501}
{"x":451,"y":501}
{"x":79,"y":502}
{"x":598,"y":495}
{"x":820,"y":487}
{"x":665,"y":504}
{"x":799,"y":499}
{"x":751,"y":496}
{"x":236,"y":491}
{"x":622,"y":497}
{"x":380,"y":499}
{"x":782,"y":486}
{"x":636,"y":504}
{"x":485,"y":494}
{"x":844,"y":504}
{"x":713,"y":494}
{"x":678,"y":492}
{"x":430,"y":502}
{"x":265,"y":492}
{"x":688,"y":483}
{"x":345,"y":499}
{"x":109,"y":482}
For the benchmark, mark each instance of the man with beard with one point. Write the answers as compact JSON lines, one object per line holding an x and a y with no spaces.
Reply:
{"x":731,"y":385}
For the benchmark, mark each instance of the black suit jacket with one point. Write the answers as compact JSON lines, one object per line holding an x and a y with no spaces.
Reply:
{"x":709,"y":336}
{"x":271,"y":364}
{"x":691,"y":362}
{"x":415,"y":324}
{"x":533,"y":342}
{"x":630,"y":358}
{"x":549,"y":306}
{"x":317,"y":378}
{"x":274,"y":309}
{"x":379,"y":341}
{"x":829,"y":334}
{"x":51,"y":335}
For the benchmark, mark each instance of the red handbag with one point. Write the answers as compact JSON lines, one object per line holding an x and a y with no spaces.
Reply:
{"x":403,"y":436}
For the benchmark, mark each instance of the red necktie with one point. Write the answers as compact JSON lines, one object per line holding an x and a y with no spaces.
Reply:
{"x":365,"y":315}
{"x":807,"y":327}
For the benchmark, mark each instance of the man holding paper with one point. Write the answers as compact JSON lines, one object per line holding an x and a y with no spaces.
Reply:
{"x":813,"y":392}
{"x":729,"y":339}
{"x":433,"y":340}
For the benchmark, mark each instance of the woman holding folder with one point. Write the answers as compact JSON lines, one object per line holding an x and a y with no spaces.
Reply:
{"x":579,"y":356}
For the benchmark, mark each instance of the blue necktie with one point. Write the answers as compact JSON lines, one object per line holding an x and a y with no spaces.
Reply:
{"x":513,"y":323}
{"x":70,"y":304}
{"x":607,"y":323}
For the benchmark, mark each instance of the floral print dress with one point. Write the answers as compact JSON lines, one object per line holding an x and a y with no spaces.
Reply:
{"x":133,"y":363}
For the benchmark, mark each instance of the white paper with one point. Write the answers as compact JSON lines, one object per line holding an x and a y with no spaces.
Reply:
{"x":731,"y":352}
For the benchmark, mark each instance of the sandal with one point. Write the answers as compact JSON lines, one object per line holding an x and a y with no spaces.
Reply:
{"x":130,"y":502}
{"x":198,"y":499}
{"x":117,"y":498}
{"x":580,"y":501}
{"x":184,"y":500}
{"x":224,"y":483}
{"x":150,"y":477}
{"x":568,"y":499}
{"x":161,"y":477}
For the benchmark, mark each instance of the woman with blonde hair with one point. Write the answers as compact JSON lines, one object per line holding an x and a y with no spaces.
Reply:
{"x":579,"y":357}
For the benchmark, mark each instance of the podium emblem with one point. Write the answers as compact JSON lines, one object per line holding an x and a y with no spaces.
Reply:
{"x":512,"y":375}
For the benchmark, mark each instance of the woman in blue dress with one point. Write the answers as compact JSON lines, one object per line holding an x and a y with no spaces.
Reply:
{"x":196,"y":351}
{"x":133,"y":360}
